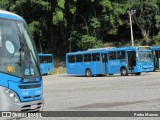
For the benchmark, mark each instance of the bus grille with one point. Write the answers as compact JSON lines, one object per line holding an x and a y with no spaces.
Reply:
{"x":29,"y":86}
{"x":34,"y":97}
{"x":27,"y":108}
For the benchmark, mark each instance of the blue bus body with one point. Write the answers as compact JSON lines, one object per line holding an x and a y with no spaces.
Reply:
{"x":109,"y":61}
{"x":80,"y":66}
{"x":21,"y":85}
{"x":156,"y":56}
{"x":46,"y":63}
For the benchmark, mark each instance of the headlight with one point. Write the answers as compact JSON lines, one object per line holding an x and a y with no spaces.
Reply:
{"x":11,"y":94}
{"x":140,"y":66}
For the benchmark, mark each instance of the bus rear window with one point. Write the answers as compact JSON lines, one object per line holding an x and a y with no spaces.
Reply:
{"x":71,"y":59}
{"x":45,"y":59}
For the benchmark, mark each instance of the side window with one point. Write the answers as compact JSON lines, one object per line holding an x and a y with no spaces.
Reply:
{"x":95,"y":57}
{"x":112,"y":56}
{"x":79,"y":58}
{"x":104,"y":57}
{"x":87,"y":57}
{"x":158,"y":53}
{"x":121,"y":55}
{"x":71,"y":58}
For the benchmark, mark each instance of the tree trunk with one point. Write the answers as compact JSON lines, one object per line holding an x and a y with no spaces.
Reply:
{"x":145,"y":35}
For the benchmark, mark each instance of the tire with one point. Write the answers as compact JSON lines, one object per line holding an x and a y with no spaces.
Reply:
{"x":138,"y":73}
{"x":88,"y":73}
{"x":124,"y":71}
{"x":110,"y":74}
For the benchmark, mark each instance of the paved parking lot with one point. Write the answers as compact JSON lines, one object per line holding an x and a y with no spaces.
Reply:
{"x":108,"y":93}
{"x":113,"y":93}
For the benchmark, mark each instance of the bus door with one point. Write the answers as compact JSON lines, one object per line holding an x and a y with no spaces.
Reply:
{"x":104,"y":64}
{"x":157,"y":58}
{"x":113,"y":63}
{"x":131,"y":60}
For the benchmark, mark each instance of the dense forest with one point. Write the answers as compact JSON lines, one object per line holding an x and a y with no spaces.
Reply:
{"x":60,"y":26}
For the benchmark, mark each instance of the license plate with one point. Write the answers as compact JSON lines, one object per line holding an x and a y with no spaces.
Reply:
{"x":34,"y":106}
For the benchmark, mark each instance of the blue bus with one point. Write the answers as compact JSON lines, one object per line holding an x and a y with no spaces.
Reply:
{"x":156,"y":56}
{"x":46,"y":63}
{"x":124,"y":61}
{"x":21,"y":85}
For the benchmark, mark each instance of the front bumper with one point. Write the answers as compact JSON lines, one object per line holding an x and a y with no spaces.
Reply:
{"x":7,"y":104}
{"x":31,"y":106}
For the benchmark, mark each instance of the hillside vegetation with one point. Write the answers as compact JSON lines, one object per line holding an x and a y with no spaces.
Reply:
{"x":61,"y":26}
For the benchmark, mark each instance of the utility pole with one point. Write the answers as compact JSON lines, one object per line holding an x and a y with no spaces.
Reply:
{"x":131,"y":12}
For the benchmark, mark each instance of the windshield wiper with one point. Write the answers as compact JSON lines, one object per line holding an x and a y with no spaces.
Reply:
{"x":36,"y":64}
{"x":25,"y":49}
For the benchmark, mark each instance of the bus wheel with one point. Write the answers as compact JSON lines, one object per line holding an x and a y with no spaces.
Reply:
{"x":124,"y":71}
{"x":88,"y":73}
{"x":138,"y":73}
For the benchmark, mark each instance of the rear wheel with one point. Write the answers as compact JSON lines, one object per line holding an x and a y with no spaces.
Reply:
{"x":88,"y":73}
{"x":138,"y":73}
{"x":124,"y":71}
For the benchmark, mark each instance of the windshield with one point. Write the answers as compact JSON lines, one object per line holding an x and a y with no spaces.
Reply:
{"x":144,"y":56}
{"x":17,"y":50}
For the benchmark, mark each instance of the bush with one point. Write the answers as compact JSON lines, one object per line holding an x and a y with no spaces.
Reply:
{"x":88,"y":42}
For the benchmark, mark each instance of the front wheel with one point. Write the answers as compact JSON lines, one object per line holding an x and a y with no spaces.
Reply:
{"x":138,"y":73}
{"x":124,"y":72}
{"x":88,"y":73}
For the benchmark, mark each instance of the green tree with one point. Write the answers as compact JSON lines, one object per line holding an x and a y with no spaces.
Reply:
{"x":146,"y":12}
{"x":88,"y":42}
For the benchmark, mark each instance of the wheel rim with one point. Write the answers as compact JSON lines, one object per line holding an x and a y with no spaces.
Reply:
{"x":124,"y":72}
{"x":88,"y":73}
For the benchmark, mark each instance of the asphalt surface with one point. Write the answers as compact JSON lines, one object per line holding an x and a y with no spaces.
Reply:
{"x":107,"y":93}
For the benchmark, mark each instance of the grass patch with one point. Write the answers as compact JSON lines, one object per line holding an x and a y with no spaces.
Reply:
{"x":59,"y":70}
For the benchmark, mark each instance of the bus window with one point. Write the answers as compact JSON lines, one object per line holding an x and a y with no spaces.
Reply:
{"x":79,"y":58}
{"x":71,"y":59}
{"x":112,"y":56}
{"x":121,"y":55}
{"x":87,"y":57}
{"x":49,"y":59}
{"x":95,"y":57}
{"x":104,"y":57}
{"x":158,"y":53}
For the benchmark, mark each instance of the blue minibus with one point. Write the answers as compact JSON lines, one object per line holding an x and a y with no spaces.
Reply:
{"x":124,"y":61}
{"x":21,"y":85}
{"x":46,"y":63}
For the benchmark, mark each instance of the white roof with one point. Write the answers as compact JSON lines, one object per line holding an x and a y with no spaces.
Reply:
{"x":9,"y":13}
